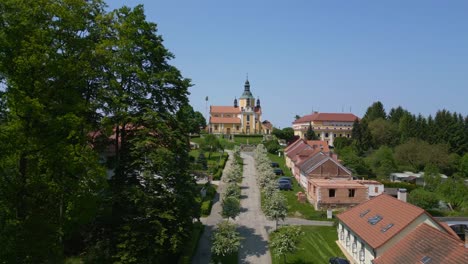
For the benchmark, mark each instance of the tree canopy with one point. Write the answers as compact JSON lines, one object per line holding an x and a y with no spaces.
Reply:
{"x":93,"y":136}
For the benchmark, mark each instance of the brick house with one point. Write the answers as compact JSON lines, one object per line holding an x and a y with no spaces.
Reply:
{"x":325,"y":194}
{"x":367,"y":231}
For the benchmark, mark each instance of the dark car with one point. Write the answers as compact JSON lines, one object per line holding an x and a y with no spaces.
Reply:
{"x":286,"y":178}
{"x":284,"y":185}
{"x":337,"y":260}
{"x":274,"y":165}
{"x":278,"y":171}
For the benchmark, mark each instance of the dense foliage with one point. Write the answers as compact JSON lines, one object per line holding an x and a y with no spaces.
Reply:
{"x":400,"y":141}
{"x":87,"y":91}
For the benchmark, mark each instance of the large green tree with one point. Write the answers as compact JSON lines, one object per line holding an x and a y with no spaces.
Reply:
{"x":375,"y":111}
{"x":50,"y":177}
{"x":72,"y":70}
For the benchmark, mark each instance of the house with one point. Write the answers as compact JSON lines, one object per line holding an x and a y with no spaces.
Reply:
{"x":367,"y":231}
{"x":327,"y":126}
{"x":331,"y":194}
{"x":411,"y":177}
{"x":374,"y":187}
{"x":426,"y":244}
{"x":321,"y":166}
{"x":242,"y":118}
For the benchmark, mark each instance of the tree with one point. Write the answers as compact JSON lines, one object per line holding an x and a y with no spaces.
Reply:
{"x":231,"y":207}
{"x":464,"y":166}
{"x":310,"y":134}
{"x":341,"y":142}
{"x":210,"y":143}
{"x":361,"y":136}
{"x":383,"y":133}
{"x":194,"y":119}
{"x":382,"y":162}
{"x":50,"y":178}
{"x":432,"y":178}
{"x":375,"y":111}
{"x":296,"y":117}
{"x":232,"y":190}
{"x":423,"y":198}
{"x":454,"y":192}
{"x":275,"y":207}
{"x":272,"y":146}
{"x":284,"y":241}
{"x":202,"y":160}
{"x":395,"y":114}
{"x":226,"y":240}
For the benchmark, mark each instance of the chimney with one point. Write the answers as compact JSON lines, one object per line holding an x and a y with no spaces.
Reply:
{"x":401,"y":195}
{"x":466,"y":237}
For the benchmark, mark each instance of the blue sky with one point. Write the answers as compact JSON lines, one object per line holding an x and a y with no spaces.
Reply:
{"x":325,"y":56}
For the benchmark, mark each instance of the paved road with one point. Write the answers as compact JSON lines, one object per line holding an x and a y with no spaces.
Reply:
{"x":203,"y":254}
{"x":252,"y":224}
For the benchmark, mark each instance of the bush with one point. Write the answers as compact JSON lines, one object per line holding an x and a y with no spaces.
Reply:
{"x":272,"y":146}
{"x":206,"y":207}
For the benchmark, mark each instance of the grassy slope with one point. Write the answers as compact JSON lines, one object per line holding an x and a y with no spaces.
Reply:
{"x":317,"y":245}
{"x":296,"y":209}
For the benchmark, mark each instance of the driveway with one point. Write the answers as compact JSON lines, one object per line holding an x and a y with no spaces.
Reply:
{"x":252,"y":224}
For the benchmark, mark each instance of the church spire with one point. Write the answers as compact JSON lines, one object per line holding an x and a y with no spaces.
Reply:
{"x":247,"y":85}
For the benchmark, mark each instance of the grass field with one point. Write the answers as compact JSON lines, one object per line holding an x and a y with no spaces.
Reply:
{"x":295,"y":208}
{"x":316,"y":246}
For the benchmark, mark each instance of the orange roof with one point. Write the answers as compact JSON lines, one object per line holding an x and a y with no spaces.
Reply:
{"x":323,"y":145}
{"x":225,"y":120}
{"x":224,"y":109}
{"x":290,"y":146}
{"x":391,"y":210}
{"x":426,"y":243}
{"x":337,"y":183}
{"x":339,"y":117}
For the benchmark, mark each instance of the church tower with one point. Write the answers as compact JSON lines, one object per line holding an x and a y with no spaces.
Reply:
{"x":246,"y":100}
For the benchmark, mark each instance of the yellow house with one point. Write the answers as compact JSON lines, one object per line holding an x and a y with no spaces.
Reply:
{"x":327,"y":126}
{"x":244,"y":117}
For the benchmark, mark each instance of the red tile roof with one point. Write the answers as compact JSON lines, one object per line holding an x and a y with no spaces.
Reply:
{"x":323,"y":145}
{"x":291,"y":153}
{"x":224,"y":109}
{"x":225,"y":120}
{"x":339,"y":117}
{"x":425,"y":242}
{"x":290,"y":146}
{"x":392,"y":211}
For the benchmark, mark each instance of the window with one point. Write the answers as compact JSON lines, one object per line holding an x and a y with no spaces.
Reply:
{"x":237,"y":127}
{"x":315,"y":190}
{"x":347,"y":240}
{"x":334,"y":135}
{"x":326,"y":134}
{"x":376,"y":189}
{"x":342,"y":234}
{"x":216,"y":127}
{"x":351,"y":192}
{"x":248,"y":118}
{"x":341,"y":134}
{"x":347,"y":135}
{"x":215,"y":115}
{"x":331,"y":193}
{"x":362,"y":254}
{"x":374,"y":220}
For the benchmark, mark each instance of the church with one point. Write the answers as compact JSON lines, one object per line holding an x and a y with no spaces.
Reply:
{"x":243,"y":117}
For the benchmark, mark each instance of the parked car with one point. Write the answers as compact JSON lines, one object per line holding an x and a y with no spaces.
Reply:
{"x":284,"y":185}
{"x":287,"y":179}
{"x":274,"y":165}
{"x":278,"y":171}
{"x":337,"y":260}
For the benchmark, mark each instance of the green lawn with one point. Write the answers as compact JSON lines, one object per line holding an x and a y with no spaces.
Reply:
{"x":295,"y":208}
{"x":317,"y":245}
